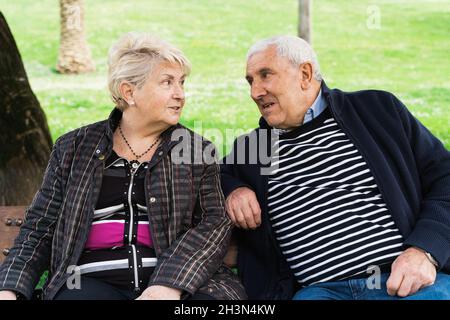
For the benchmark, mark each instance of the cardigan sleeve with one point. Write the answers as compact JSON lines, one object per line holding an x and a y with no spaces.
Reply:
{"x":432,"y":229}
{"x":229,"y":174}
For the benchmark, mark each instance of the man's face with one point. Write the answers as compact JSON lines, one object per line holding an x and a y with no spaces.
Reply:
{"x":275,"y":86}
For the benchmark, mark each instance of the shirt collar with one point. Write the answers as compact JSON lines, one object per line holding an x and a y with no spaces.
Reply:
{"x":316,"y":109}
{"x":318,"y":106}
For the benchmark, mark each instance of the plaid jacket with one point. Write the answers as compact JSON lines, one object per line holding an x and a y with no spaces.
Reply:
{"x":189,"y":225}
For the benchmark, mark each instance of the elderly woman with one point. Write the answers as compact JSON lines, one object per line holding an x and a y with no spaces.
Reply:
{"x":119,"y":215}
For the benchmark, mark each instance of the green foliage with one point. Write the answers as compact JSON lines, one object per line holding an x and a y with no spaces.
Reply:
{"x":408,"y":55}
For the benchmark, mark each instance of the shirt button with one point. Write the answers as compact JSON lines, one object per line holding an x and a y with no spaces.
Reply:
{"x":160,"y":153}
{"x":97,"y":151}
{"x":152,"y":199}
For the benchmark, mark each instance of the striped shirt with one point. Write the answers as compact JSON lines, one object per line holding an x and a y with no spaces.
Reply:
{"x":119,"y":249}
{"x":325,"y":207}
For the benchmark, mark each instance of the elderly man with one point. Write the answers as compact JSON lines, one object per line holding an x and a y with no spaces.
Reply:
{"x":355,"y":203}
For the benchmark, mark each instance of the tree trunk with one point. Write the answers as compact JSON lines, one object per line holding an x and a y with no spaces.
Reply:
{"x":304,"y":23}
{"x":25,"y":141}
{"x":74,"y":52}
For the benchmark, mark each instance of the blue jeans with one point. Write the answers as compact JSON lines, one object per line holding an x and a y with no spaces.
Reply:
{"x":358,"y":289}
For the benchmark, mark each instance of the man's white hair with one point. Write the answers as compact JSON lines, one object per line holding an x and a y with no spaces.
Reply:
{"x":295,"y":49}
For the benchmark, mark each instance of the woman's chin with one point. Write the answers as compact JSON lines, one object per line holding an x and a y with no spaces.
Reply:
{"x":173,"y":120}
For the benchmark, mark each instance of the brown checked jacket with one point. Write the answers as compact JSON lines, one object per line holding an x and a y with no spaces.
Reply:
{"x":188,"y":222}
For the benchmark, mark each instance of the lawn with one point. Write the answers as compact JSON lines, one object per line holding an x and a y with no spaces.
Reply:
{"x":408,"y":54}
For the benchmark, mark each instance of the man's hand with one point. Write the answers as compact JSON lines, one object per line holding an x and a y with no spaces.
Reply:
{"x":243,"y":208}
{"x":160,"y":293}
{"x":410,"y":272}
{"x":7,"y":295}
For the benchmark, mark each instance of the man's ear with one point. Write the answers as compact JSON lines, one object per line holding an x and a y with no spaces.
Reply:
{"x":306,"y":75}
{"x":126,"y":91}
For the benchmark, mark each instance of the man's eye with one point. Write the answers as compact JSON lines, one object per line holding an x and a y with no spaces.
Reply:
{"x":167,"y":82}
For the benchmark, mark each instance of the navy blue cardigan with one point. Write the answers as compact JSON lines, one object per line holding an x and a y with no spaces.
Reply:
{"x":409,"y":164}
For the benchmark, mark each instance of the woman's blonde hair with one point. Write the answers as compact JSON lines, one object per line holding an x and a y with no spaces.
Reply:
{"x":132,"y":59}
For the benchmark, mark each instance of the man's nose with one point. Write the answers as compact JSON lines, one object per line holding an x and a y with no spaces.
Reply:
{"x":257,"y":90}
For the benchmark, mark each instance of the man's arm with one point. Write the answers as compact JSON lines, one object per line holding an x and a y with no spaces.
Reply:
{"x":241,"y":203}
{"x":413,"y":270}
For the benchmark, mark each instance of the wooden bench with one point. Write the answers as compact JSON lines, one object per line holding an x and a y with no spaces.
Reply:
{"x":11,"y":218}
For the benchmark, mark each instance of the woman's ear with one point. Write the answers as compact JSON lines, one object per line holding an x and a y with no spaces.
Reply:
{"x":306,"y":75}
{"x":126,"y":91}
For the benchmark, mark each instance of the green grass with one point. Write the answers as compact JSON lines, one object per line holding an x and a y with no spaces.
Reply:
{"x":408,"y":55}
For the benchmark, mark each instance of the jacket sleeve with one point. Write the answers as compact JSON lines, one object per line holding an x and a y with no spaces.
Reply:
{"x":30,"y":255}
{"x":197,"y":254}
{"x":432,"y":229}
{"x":229,"y":174}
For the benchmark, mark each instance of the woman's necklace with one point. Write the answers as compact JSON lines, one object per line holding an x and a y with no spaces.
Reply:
{"x":135,"y":163}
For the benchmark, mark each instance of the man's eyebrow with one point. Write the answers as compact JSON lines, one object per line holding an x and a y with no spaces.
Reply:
{"x":264,"y":70}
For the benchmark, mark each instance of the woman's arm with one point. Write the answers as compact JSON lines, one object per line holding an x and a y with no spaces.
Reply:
{"x":195,"y":255}
{"x":30,"y":255}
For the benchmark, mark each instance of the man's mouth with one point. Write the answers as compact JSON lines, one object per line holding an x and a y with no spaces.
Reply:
{"x":175,"y":108}
{"x":267,"y":105}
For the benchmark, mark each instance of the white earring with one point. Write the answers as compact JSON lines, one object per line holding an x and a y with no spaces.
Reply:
{"x":132,"y":103}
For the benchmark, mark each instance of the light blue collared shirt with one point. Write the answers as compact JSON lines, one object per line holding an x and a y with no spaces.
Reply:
{"x":318,"y":106}
{"x":316,"y":109}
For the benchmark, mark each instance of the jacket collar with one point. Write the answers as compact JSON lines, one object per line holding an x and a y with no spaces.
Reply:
{"x":105,"y":146}
{"x":114,"y":120}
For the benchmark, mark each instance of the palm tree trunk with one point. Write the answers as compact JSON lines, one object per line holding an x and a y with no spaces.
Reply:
{"x":304,"y":23}
{"x":25,"y":141}
{"x":74,"y":52}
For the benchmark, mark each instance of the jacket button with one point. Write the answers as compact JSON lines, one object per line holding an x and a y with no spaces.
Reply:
{"x":160,"y":153}
{"x":152,"y":199}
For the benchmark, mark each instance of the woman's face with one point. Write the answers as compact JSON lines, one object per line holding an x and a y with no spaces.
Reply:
{"x":161,"y":98}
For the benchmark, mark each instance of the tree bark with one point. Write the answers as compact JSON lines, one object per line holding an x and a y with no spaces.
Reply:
{"x":74,"y":52}
{"x":25,"y":141}
{"x":304,"y":23}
